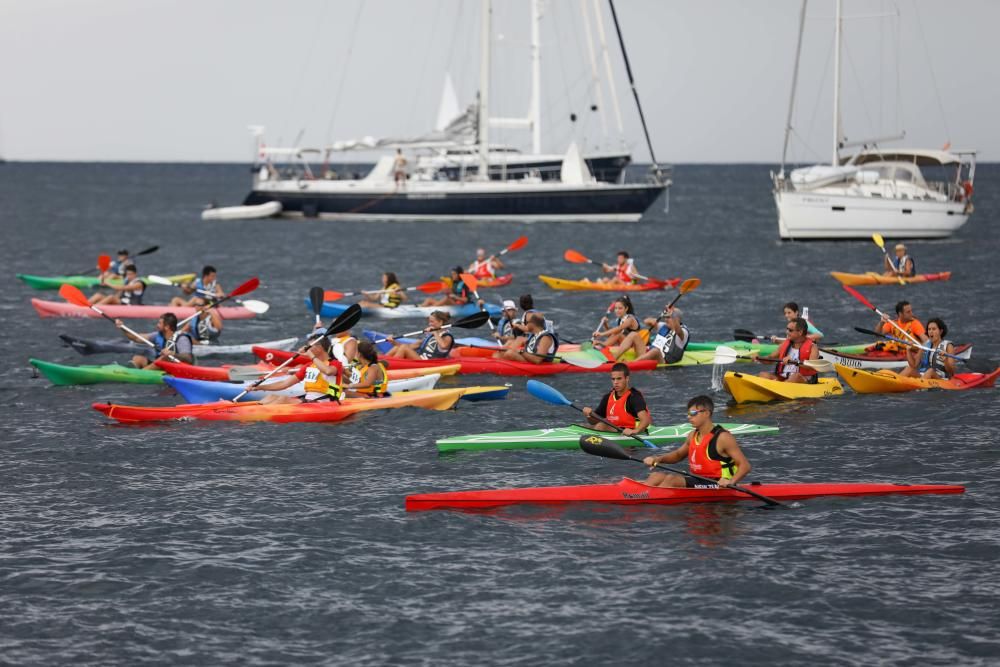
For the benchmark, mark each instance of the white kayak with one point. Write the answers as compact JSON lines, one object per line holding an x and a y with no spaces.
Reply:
{"x":265,"y":210}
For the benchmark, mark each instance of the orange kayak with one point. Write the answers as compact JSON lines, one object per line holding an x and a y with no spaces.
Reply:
{"x":580,"y":285}
{"x":886,"y":381}
{"x":872,"y":278}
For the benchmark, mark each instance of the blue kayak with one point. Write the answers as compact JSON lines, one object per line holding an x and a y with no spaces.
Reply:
{"x":407,"y":311}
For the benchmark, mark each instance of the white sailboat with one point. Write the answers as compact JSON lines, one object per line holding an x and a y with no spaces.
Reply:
{"x":875,"y":190}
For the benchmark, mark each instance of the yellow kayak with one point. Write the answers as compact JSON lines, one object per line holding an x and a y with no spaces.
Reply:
{"x":581,"y":285}
{"x":887,"y":382}
{"x":753,"y":389}
{"x":872,"y":278}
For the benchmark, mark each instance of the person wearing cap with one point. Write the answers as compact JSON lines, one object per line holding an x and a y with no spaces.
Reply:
{"x":484,"y":267}
{"x":505,"y":331}
{"x":903,"y":267}
{"x":459,"y":294}
{"x":667,"y":347}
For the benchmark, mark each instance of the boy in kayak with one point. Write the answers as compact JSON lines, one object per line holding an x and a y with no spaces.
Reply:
{"x":127,"y":294}
{"x":168,"y":343}
{"x":905,"y":320}
{"x":539,"y":347}
{"x":484,"y":267}
{"x":202,"y":289}
{"x":320,"y":379}
{"x":667,"y":347}
{"x":796,"y":349}
{"x":624,"y":270}
{"x":436,"y":343}
{"x":903,"y":267}
{"x":206,"y":327}
{"x":711,"y":452}
{"x":931,"y":365}
{"x":459,"y":294}
{"x":791,"y":311}
{"x":623,"y":406}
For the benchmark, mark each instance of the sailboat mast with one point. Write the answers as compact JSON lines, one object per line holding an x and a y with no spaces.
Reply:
{"x":536,"y":77}
{"x":795,"y":82}
{"x":484,"y":92}
{"x":838,"y":36}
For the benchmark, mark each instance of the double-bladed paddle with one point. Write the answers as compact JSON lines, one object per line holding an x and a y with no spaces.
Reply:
{"x":579,"y":258}
{"x":880,"y":242}
{"x":860,"y":297}
{"x":104,"y":261}
{"x":976,"y":365}
{"x":473,"y":321}
{"x":254,"y":306}
{"x":598,"y":446}
{"x":727,"y":355}
{"x":431,"y":287}
{"x":244,"y":288}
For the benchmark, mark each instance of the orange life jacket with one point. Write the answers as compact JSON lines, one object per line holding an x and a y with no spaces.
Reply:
{"x":700,"y":461}
{"x":616,"y":412}
{"x":804,"y":353}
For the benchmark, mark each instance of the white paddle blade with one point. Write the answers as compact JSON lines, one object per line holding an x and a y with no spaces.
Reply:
{"x":255,"y":306}
{"x":584,"y":361}
{"x":725,"y":355}
{"x":159,"y":280}
{"x":245,"y":373}
{"x":818,"y":365}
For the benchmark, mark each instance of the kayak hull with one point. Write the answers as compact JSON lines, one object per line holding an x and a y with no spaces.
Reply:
{"x":568,"y":437}
{"x":62,"y":375}
{"x":753,"y":389}
{"x":207,"y":391}
{"x":888,"y":382}
{"x":587,"y":285}
{"x":879,"y":360}
{"x":224,"y":373}
{"x":406,"y":311}
{"x":872,"y":278}
{"x":476,"y":365}
{"x":55,"y":282}
{"x":631,"y":492}
{"x":122,"y":346}
{"x":60,"y":309}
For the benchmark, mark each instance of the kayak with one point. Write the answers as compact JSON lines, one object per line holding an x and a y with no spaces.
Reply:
{"x":474,"y":365}
{"x":884,"y":382}
{"x":689,"y":358}
{"x":631,"y":492}
{"x":223,"y":373}
{"x":872,"y":278}
{"x":568,"y":437}
{"x":468,"y":343}
{"x":752,"y":389}
{"x":323,"y":411}
{"x":144,"y":312}
{"x":63,"y":376}
{"x":765,"y":349}
{"x":55,"y":282}
{"x":581,"y":285}
{"x":122,"y":346}
{"x":406,"y":310}
{"x":879,"y":359}
{"x":207,"y":391}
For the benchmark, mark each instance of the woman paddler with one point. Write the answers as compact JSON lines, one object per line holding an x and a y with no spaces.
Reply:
{"x":320,"y":379}
{"x":390,"y":296}
{"x":373,"y":379}
{"x":931,"y":365}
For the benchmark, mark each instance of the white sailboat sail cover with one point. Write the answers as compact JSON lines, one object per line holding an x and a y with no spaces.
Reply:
{"x":574,"y":170}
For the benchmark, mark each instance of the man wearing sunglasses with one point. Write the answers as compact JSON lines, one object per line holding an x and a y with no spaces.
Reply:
{"x":623,"y":406}
{"x":792,"y":354}
{"x":711,"y":452}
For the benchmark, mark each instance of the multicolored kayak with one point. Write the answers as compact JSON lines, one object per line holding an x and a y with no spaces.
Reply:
{"x":144,"y":312}
{"x":225,"y":372}
{"x":879,"y":359}
{"x":568,"y":437}
{"x":123,"y":346}
{"x":481,"y":283}
{"x":753,"y":389}
{"x":325,"y":411}
{"x":766,"y":349}
{"x":631,"y":492}
{"x":872,"y":278}
{"x":63,"y":376}
{"x":406,"y":311}
{"x":587,"y":285}
{"x":207,"y":391}
{"x":55,"y":282}
{"x":689,"y":358}
{"x":884,"y":382}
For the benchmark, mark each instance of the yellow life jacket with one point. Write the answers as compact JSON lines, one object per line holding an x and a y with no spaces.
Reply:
{"x":315,"y":382}
{"x":380,"y":386}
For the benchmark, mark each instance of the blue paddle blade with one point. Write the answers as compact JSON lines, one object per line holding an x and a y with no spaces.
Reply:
{"x":544,"y":392}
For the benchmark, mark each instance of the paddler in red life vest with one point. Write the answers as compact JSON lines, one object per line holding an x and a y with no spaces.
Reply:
{"x":458,"y":295}
{"x":623,"y":406}
{"x":711,"y":452}
{"x":796,"y":349}
{"x":905,"y":320}
{"x":484,"y":267}
{"x":320,"y":379}
{"x":624,"y":270}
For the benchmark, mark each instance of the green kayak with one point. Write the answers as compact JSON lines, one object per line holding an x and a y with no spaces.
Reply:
{"x":62,"y":376}
{"x":568,"y":437}
{"x":765,"y":348}
{"x":55,"y":282}
{"x":690,"y":358}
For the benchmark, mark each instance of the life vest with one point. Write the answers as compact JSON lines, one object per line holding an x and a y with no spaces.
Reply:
{"x":783,"y":370}
{"x":913,"y":327}
{"x":621,"y":320}
{"x":380,"y":386}
{"x":133,"y":298}
{"x":704,"y":458}
{"x":429,"y":347}
{"x":532,"y":345}
{"x":483,"y":269}
{"x":118,"y":268}
{"x":203,"y":289}
{"x":901,"y":264}
{"x":934,"y":358}
{"x":460,"y":290}
{"x":617,"y":413}
{"x":203,"y":328}
{"x":391,"y":297}
{"x":318,"y":384}
{"x":666,"y":343}
{"x":623,"y":272}
{"x":505,"y":327}
{"x":160,"y":341}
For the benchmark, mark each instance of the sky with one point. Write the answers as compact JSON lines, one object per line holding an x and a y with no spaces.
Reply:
{"x":158,"y":81}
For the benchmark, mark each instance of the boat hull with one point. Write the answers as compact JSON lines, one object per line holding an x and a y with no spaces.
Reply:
{"x":55,"y":282}
{"x":587,"y":285}
{"x":406,"y":311}
{"x":888,"y":382}
{"x":753,"y":389}
{"x":144,"y":312}
{"x":872,"y":278}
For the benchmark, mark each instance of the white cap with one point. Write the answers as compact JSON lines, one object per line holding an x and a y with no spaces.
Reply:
{"x":509,"y":305}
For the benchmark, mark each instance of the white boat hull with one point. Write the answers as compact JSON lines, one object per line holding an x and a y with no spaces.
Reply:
{"x":265,"y":210}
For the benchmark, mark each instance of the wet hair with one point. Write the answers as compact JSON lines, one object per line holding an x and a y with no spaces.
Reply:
{"x":622,"y":368}
{"x":537,"y":319}
{"x":441,"y":316}
{"x":627,"y":302}
{"x":459,"y":270}
{"x":800,"y":324}
{"x":900,"y":306}
{"x":940,"y":325}
{"x":702,"y":401}
{"x":207,"y":269}
{"x":792,"y":306}
{"x":368,"y":351}
{"x":169,"y":321}
{"x":131,"y":267}
{"x":527,"y":303}
{"x":390,"y":278}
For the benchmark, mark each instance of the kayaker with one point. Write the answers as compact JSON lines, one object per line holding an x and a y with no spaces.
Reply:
{"x":711,"y":451}
{"x":202,"y":289}
{"x":903,"y":267}
{"x":931,"y":365}
{"x":458,"y":295}
{"x":623,"y":271}
{"x":795,"y":349}
{"x":484,"y":267}
{"x":129,"y":293}
{"x":320,"y":378}
{"x":791,"y":311}
{"x":373,"y":380}
{"x":390,"y":296}
{"x":117,"y":267}
{"x":505,"y":332}
{"x":181,"y":348}
{"x":436,"y":343}
{"x":206,"y":327}
{"x":668,"y":345}
{"x":626,"y":324}
{"x":539,"y":347}
{"x":623,"y":406}
{"x":527,"y":303}
{"x":905,"y":320}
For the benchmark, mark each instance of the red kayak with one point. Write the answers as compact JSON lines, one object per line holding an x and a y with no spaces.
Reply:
{"x":214,"y":373}
{"x":144,"y":312}
{"x":630,"y":492}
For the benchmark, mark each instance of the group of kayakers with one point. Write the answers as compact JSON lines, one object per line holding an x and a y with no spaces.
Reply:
{"x":934,"y":363}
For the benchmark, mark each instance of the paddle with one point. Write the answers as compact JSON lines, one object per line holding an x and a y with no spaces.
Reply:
{"x":976,"y":365}
{"x":427,"y":288}
{"x":860,"y":297}
{"x":254,"y":306}
{"x":880,"y":242}
{"x":148,"y":251}
{"x":518,"y":243}
{"x":73,"y":294}
{"x":344,"y":321}
{"x":746,"y":336}
{"x":689,"y":285}
{"x":727,"y":355}
{"x":473,"y":321}
{"x":103,"y":264}
{"x":472,"y":283}
{"x":316,"y":302}
{"x":244,"y":288}
{"x":598,"y":446}
{"x":582,"y":362}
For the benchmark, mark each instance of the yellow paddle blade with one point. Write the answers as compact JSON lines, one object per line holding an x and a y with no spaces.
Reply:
{"x":879,"y":241}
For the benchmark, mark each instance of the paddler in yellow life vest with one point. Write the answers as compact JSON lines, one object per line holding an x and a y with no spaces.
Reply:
{"x":623,"y":406}
{"x":373,"y":381}
{"x":905,"y":320}
{"x":483,"y":267}
{"x":796,"y":349}
{"x":390,"y":296}
{"x":711,"y":452}
{"x":624,"y":271}
{"x":320,"y":379}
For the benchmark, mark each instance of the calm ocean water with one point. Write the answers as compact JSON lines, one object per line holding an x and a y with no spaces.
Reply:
{"x":261,"y":544}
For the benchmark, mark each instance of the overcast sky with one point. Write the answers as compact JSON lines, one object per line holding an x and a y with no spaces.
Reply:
{"x":180,"y":81}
